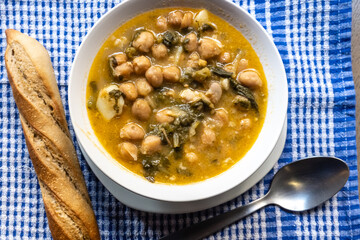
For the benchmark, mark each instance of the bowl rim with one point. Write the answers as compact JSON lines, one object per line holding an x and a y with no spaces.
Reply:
{"x":168,"y":192}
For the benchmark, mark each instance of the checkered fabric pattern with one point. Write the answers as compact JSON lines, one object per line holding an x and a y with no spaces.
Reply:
{"x":313,"y":38}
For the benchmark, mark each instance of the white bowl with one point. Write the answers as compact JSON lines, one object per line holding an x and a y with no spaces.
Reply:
{"x":242,"y":170}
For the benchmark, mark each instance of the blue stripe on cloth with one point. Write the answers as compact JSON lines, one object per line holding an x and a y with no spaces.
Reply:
{"x":313,"y":38}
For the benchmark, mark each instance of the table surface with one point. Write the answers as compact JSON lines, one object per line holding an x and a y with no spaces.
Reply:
{"x":355,"y":51}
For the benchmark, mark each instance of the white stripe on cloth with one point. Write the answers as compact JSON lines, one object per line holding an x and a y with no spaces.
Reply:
{"x":317,"y":79}
{"x":302,"y":96}
{"x":326,"y":148}
{"x":309,"y":83}
{"x":323,"y":102}
{"x":293,"y":124}
{"x":335,"y":220}
{"x":4,"y":167}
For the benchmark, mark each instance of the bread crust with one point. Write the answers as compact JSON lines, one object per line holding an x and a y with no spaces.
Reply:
{"x":42,"y":116}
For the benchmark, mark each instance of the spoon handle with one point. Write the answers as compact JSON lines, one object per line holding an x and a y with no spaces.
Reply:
{"x":209,"y":226}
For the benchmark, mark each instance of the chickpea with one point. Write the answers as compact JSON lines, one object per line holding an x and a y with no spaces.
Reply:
{"x":120,"y":58}
{"x":225,"y":57}
{"x":165,"y":116}
{"x":129,"y":90}
{"x":151,"y":144}
{"x":143,"y":87}
{"x":221,"y":117}
{"x":208,"y":137}
{"x":128,"y":151}
{"x":249,"y":78}
{"x":124,"y":70}
{"x":214,"y":92}
{"x":141,"y":109}
{"x":171,"y":74}
{"x":159,"y":51}
{"x":242,"y":65}
{"x":132,"y":131}
{"x":190,"y":42}
{"x":209,"y":48}
{"x":144,"y":41}
{"x":161,"y":23}
{"x":187,"y":20}
{"x":155,"y":76}
{"x":175,"y":18}
{"x":141,"y":64}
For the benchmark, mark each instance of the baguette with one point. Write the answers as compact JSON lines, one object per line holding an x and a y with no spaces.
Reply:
{"x":32,"y":79}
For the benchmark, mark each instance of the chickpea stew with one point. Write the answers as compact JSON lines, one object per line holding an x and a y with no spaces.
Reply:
{"x":177,"y":95}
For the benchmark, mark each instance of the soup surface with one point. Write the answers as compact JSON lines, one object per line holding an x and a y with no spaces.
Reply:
{"x":176,"y":95}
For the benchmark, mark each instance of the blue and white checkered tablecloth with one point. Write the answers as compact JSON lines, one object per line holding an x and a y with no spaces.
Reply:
{"x":313,"y":38}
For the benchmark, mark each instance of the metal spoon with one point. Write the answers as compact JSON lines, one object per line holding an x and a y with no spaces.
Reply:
{"x":298,"y":186}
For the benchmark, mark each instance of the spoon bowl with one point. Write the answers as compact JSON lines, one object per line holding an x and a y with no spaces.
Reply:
{"x":298,"y":186}
{"x":305,"y":184}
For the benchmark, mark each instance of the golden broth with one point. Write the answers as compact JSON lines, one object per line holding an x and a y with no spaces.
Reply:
{"x":232,"y":141}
